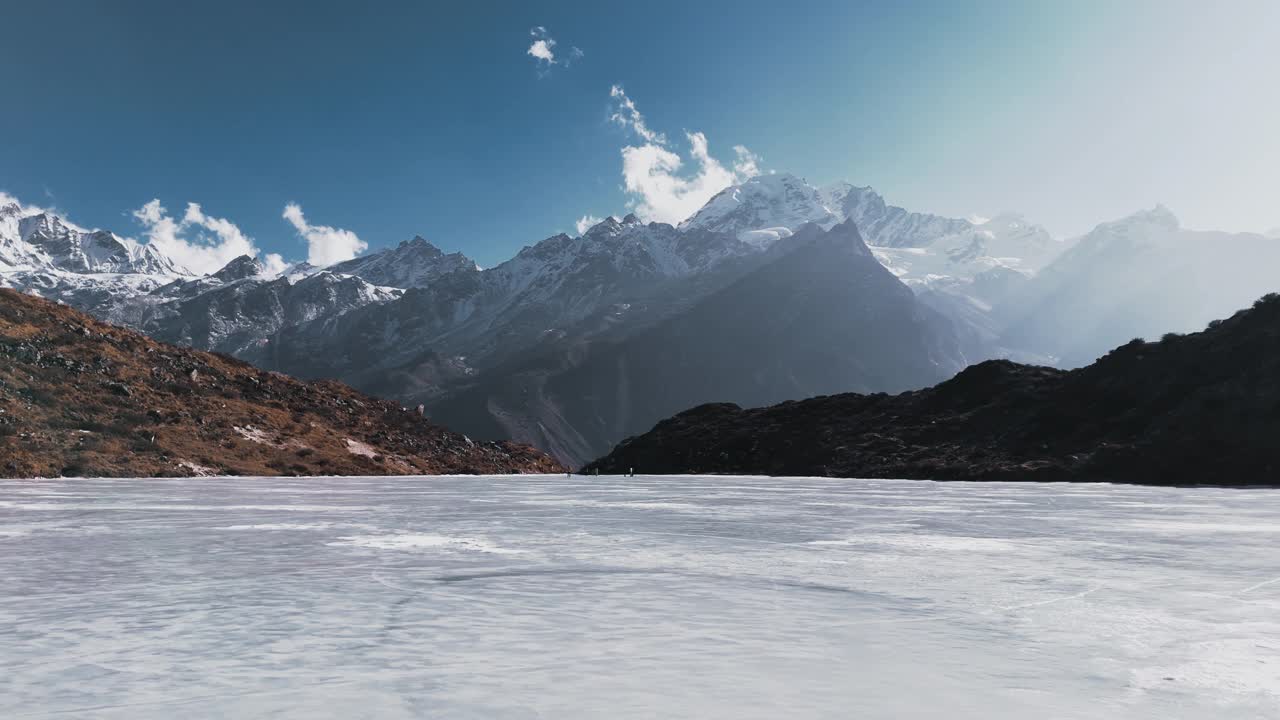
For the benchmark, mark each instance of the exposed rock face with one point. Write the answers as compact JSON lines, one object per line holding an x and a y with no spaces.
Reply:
{"x":1195,"y":409}
{"x":79,"y":397}
{"x":240,"y":268}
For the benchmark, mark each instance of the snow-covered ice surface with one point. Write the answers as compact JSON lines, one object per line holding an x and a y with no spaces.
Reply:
{"x":646,"y":597}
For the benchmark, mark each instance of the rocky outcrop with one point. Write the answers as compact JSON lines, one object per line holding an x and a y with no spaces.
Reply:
{"x":80,"y":397}
{"x":1195,"y":409}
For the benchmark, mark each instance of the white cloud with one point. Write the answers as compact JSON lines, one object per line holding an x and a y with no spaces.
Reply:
{"x":586,"y":222}
{"x":747,"y":163}
{"x":654,"y":175}
{"x":325,"y":245}
{"x":542,"y":50}
{"x":198,"y":242}
{"x":625,"y":114}
{"x":7,"y":199}
{"x":273,"y":264}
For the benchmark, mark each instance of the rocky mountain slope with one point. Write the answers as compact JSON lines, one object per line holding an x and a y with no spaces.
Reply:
{"x":239,"y":307}
{"x":478,"y":320}
{"x":822,"y":316}
{"x":1195,"y":409}
{"x":80,"y":397}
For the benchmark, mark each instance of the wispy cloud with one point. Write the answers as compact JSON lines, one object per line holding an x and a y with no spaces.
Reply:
{"x":542,"y":49}
{"x":746,"y":164}
{"x":586,"y":222}
{"x":325,"y":245}
{"x":6,"y":199}
{"x":197,"y":241}
{"x":628,"y":116}
{"x":655,"y":176}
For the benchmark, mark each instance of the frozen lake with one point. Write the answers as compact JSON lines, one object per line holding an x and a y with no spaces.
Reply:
{"x":646,"y":597}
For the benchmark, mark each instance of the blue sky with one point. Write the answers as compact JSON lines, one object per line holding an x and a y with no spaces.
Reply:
{"x":398,"y":119}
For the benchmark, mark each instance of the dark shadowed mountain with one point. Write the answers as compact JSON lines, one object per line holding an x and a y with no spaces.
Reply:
{"x":1194,"y":409}
{"x":824,"y":316}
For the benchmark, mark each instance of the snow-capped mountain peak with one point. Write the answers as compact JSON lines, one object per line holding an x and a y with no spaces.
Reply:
{"x":242,"y":267}
{"x":1159,"y":216}
{"x":34,"y":239}
{"x":422,"y":245}
{"x":1144,"y":227}
{"x":763,"y":209}
{"x":413,"y":263}
{"x":887,"y":225}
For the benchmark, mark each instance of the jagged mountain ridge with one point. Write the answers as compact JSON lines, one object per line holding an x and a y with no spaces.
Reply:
{"x":547,"y":289}
{"x":488,"y":316}
{"x":885,"y":225}
{"x":138,"y":286}
{"x":413,"y":263}
{"x":544,"y":289}
{"x":43,"y":241}
{"x":458,"y":327}
{"x":233,"y":311}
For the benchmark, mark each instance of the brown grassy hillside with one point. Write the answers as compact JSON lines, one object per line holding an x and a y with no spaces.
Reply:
{"x":79,"y":397}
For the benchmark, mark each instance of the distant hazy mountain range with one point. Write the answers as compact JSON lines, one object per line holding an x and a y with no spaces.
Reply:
{"x":774,"y":290}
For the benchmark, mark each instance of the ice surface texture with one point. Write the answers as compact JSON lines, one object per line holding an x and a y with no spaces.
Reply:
{"x":646,"y":597}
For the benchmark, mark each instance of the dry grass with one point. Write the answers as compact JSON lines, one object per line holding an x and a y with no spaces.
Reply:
{"x":80,"y":397}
